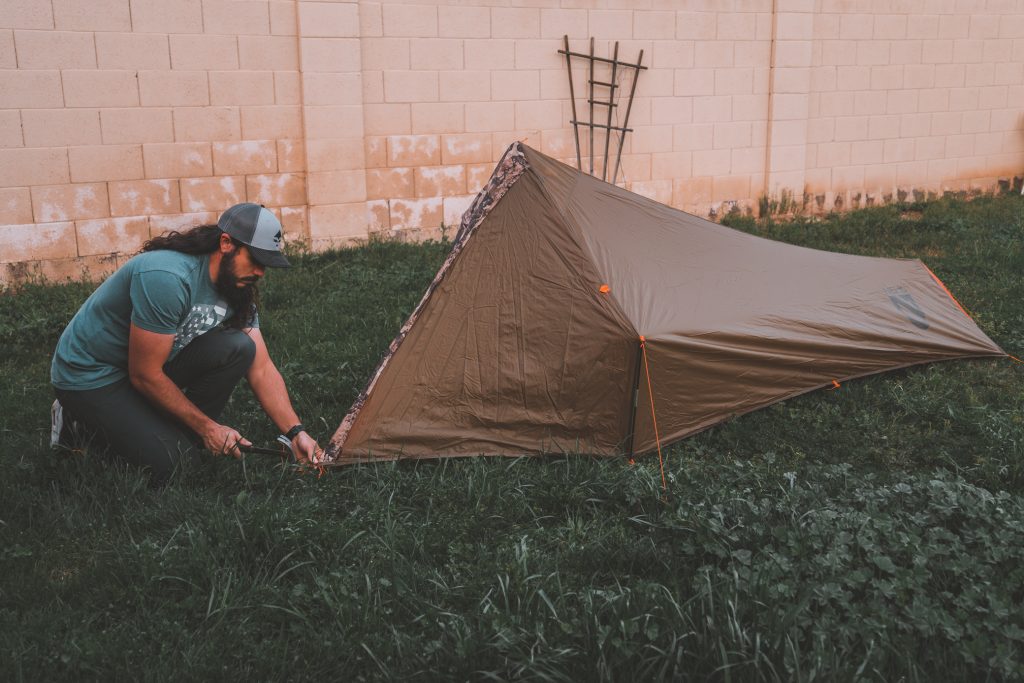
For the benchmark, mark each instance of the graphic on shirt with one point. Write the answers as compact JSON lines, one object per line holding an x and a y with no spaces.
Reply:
{"x":200,"y":320}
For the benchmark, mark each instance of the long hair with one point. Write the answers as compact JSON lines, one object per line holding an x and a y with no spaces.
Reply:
{"x":205,"y":239}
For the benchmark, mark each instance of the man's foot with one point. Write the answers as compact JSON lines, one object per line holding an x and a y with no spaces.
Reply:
{"x":62,"y":428}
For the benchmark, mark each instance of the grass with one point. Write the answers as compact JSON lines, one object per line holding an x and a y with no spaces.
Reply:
{"x":870,"y":533}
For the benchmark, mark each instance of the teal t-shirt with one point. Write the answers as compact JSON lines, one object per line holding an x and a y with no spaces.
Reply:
{"x":166,"y":292}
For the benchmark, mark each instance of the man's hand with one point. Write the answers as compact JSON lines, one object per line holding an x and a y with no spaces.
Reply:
{"x":222,"y":440}
{"x":306,"y":449}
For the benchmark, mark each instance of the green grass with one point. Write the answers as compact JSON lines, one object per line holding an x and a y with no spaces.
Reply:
{"x":872,"y":533}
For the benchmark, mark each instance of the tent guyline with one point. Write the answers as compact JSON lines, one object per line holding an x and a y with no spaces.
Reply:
{"x":562,"y":293}
{"x":608,"y":102}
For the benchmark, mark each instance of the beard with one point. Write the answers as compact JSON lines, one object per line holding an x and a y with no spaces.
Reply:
{"x":240,"y":294}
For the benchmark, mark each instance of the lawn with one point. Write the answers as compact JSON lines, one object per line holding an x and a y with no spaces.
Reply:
{"x":875,"y":532}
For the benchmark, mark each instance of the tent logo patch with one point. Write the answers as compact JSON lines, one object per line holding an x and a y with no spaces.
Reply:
{"x":905,"y":304}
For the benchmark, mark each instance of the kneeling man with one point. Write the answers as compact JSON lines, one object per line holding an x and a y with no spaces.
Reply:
{"x":149,"y":361}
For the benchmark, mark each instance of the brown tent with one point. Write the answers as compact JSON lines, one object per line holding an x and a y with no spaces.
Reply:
{"x":529,"y":339}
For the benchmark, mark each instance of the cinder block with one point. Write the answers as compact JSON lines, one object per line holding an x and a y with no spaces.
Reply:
{"x":330,"y":54}
{"x":288,"y":87}
{"x":245,"y":157}
{"x":336,"y":221}
{"x":435,"y":181}
{"x":329,"y":19}
{"x":100,"y":88}
{"x":33,"y":166}
{"x":690,"y":191}
{"x":688,"y":137}
{"x":741,"y":81}
{"x":689,"y":82}
{"x":515,"y":85}
{"x":390,"y":183}
{"x":413,"y":150}
{"x":489,"y":117}
{"x":206,"y":124}
{"x":410,"y":86}
{"x":378,"y":215}
{"x":669,"y":165}
{"x":539,"y":114}
{"x":332,"y":120}
{"x":696,"y":26}
{"x":31,"y":89}
{"x":385,"y":119}
{"x":437,"y":54}
{"x":177,"y":159}
{"x":738,"y":134}
{"x":236,"y":88}
{"x":866,"y":152}
{"x":711,"y":109}
{"x":173,"y":88}
{"x":466,"y":148}
{"x":906,"y":51}
{"x":336,"y":187}
{"x":8,"y":56}
{"x":52,"y":203}
{"x":410,"y":20}
{"x":385,"y":53}
{"x":453,"y":208}
{"x":437,"y":117}
{"x":898,"y":151}
{"x":212,"y":194}
{"x":416,"y":213}
{"x":161,"y":16}
{"x":743,"y":26}
{"x":747,"y":160}
{"x":959,"y":146}
{"x":490,"y":54}
{"x":658,"y":190}
{"x":236,"y":17}
{"x":15,"y":206}
{"x":730,"y":188}
{"x":749,"y":107}
{"x":610,"y":23}
{"x":55,"y":50}
{"x":656,"y":25}
{"x":291,"y":156}
{"x":465,"y":86}
{"x":477,"y":175}
{"x":27,"y":14}
{"x":97,"y":15}
{"x":647,"y":139}
{"x":706,"y":162}
{"x":464,"y":22}
{"x":555,"y":23}
{"x":881,"y":127}
{"x":515,"y":22}
{"x":335,"y":155}
{"x":132,"y":51}
{"x":144,"y":197}
{"x":112,"y":235}
{"x":59,"y":127}
{"x":282,"y":18}
{"x":271,"y":123}
{"x":376,"y":151}
{"x":371,"y":20}
{"x":980,"y":75}
{"x":950,"y":75}
{"x":26,"y":242}
{"x":331,"y":88}
{"x":270,"y":53}
{"x":120,"y":126}
{"x":97,"y":163}
{"x":714,"y":54}
{"x":203,"y":52}
{"x":937,"y":51}
{"x":159,"y":225}
{"x":294,"y":220}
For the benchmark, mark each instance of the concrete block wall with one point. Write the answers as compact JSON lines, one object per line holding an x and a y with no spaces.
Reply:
{"x":123,"y":118}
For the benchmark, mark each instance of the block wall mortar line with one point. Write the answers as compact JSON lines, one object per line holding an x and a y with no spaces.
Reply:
{"x":771,"y":97}
{"x":302,"y":125}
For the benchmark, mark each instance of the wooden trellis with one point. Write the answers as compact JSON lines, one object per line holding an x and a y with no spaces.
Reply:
{"x":610,"y":88}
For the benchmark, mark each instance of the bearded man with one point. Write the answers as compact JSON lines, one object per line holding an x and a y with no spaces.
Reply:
{"x":149,"y":361}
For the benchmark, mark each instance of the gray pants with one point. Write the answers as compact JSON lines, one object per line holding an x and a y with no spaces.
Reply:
{"x":140,"y":433}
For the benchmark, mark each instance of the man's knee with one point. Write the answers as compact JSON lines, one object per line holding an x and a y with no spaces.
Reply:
{"x":239,"y":345}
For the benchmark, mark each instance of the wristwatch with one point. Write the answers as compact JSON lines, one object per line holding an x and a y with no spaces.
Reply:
{"x":294,"y":431}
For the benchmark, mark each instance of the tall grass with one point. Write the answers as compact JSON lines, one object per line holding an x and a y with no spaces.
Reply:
{"x":871,"y":533}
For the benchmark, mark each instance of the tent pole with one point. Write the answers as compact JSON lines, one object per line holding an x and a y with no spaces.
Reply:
{"x":635,"y":399}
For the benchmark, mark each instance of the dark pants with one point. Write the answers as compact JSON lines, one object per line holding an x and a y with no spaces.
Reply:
{"x":206,"y":370}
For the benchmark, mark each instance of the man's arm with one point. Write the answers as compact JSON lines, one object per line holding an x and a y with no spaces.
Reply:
{"x":270,"y":390}
{"x":147,"y":353}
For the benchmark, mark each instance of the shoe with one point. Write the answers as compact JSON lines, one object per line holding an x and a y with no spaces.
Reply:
{"x":64,"y":432}
{"x":56,"y":423}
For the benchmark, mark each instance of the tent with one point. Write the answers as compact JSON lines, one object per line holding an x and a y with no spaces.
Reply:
{"x":574,"y":316}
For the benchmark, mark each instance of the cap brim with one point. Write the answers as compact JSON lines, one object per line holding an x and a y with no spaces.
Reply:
{"x":269,"y":258}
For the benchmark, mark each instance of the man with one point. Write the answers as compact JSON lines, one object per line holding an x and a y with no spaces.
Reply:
{"x":149,"y":361}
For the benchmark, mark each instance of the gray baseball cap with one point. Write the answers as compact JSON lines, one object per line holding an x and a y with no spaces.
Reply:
{"x":256,"y":227}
